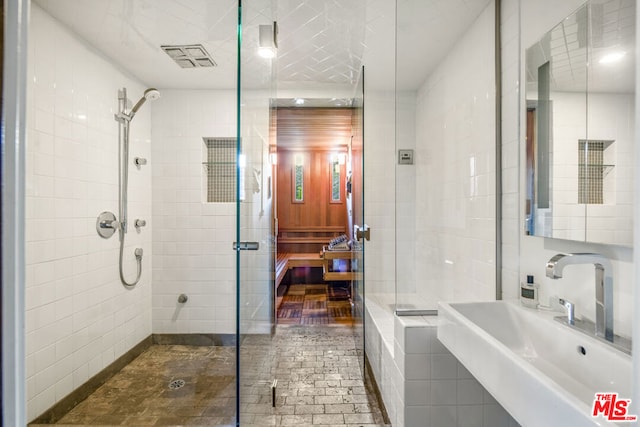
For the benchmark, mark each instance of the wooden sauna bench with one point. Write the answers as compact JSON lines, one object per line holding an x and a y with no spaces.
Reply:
{"x":286,"y":261}
{"x":302,"y":247}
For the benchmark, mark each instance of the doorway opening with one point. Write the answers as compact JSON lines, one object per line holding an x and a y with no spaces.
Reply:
{"x":312,"y":213}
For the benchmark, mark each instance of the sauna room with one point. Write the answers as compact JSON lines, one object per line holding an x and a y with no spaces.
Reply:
{"x":312,"y":210}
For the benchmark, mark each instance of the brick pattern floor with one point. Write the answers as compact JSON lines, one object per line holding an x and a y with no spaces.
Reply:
{"x":316,"y":304}
{"x":320,"y":383}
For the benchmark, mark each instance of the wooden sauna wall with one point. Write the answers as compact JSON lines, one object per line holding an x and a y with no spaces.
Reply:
{"x":315,"y":220}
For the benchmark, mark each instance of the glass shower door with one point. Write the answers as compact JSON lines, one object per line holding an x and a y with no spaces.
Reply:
{"x":359,"y":230}
{"x":254,"y":243}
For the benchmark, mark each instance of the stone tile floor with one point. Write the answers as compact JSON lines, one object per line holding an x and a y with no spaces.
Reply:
{"x":317,"y":367}
{"x":320,"y":381}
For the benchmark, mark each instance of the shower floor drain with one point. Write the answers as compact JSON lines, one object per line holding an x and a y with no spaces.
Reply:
{"x":176,"y":384}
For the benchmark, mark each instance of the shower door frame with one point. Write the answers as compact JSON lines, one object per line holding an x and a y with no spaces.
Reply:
{"x":12,"y":168}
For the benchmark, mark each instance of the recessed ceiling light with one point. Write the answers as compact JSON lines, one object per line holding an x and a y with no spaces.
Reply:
{"x":299,"y":101}
{"x":612,"y":57}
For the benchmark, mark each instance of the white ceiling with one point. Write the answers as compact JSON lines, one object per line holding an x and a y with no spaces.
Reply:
{"x":321,"y":43}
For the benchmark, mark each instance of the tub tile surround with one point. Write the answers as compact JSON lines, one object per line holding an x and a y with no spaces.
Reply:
{"x":421,"y":382}
{"x":79,"y":318}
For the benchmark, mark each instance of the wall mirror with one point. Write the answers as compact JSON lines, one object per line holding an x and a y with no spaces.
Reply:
{"x":580,"y":95}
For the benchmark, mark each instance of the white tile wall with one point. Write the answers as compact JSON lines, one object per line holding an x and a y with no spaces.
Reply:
{"x":192,"y":239}
{"x":430,"y":251}
{"x":79,"y":317}
{"x":454,"y":172}
{"x":405,"y":196}
{"x":379,"y":191}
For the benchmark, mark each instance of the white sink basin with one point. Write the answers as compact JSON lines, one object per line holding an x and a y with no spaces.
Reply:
{"x":533,"y":365}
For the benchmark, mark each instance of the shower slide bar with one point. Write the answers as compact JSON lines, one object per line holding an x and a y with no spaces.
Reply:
{"x":107,"y":223}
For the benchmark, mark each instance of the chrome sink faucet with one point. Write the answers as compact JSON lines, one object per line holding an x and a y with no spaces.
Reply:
{"x":604,"y":286}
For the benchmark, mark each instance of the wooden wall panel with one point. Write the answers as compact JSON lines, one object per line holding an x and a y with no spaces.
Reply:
{"x":315,"y":134}
{"x":316,"y":210}
{"x":313,"y":128}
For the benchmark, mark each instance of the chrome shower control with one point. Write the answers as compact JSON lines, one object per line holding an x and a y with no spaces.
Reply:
{"x":140,"y":161}
{"x":106,"y":224}
{"x":140,"y":223}
{"x":138,"y":253}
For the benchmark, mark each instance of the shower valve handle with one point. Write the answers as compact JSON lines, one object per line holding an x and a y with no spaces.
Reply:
{"x":110,"y":224}
{"x":107,"y":224}
{"x":140,"y":161}
{"x":140,"y":223}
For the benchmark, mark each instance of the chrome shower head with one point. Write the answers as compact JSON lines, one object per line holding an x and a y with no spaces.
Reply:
{"x":151,"y":93}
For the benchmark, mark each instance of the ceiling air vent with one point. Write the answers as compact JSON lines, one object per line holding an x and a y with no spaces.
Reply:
{"x":189,"y":56}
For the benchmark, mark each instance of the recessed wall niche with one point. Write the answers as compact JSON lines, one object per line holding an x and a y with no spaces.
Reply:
{"x":219,"y":170}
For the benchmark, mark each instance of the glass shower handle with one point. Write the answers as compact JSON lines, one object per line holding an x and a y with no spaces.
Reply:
{"x":246,"y":246}
{"x":362,"y":232}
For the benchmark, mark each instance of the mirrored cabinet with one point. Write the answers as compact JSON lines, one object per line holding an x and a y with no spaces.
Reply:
{"x":580,"y":94}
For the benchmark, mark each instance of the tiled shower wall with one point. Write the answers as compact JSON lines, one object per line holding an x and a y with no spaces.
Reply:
{"x":380,"y":261}
{"x":455,"y":163}
{"x":389,"y":196}
{"x":79,"y":317}
{"x":191,"y":238}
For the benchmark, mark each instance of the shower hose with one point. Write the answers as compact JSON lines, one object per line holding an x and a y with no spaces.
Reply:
{"x":124,"y":176}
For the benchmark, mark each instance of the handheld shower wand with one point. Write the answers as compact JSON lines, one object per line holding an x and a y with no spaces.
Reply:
{"x":151,"y":94}
{"x":124,"y":123}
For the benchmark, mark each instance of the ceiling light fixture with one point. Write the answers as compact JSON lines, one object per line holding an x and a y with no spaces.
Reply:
{"x":268,"y":40}
{"x":612,"y":57}
{"x":299,"y":101}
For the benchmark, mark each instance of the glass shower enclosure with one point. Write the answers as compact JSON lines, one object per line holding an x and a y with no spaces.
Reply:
{"x":156,"y":310}
{"x":255,"y":243}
